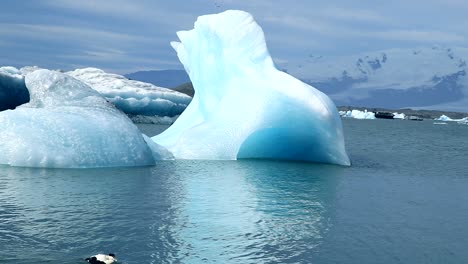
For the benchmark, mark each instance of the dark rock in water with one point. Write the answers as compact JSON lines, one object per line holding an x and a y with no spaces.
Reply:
{"x":415,"y":118}
{"x":385,"y":115}
{"x":102,"y":259}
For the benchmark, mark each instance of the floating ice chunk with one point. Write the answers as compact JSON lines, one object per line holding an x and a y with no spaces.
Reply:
{"x":357,"y":114}
{"x":463,"y":121}
{"x":13,"y":91}
{"x":243,"y":106}
{"x":133,"y":97}
{"x":69,"y":125}
{"x":399,"y":116}
{"x":444,"y":118}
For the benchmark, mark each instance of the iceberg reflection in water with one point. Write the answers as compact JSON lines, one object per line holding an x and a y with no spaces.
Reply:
{"x":407,"y":206}
{"x":187,"y":211}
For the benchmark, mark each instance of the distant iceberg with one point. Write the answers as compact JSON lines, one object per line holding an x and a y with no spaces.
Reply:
{"x":357,"y":114}
{"x":444,"y":118}
{"x":243,"y":106}
{"x":67,"y":124}
{"x":462,"y":121}
{"x":397,"y":115}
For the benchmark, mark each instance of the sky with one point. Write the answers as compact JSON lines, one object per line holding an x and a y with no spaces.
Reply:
{"x":124,"y":36}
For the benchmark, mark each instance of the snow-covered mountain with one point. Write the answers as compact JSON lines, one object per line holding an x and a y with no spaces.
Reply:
{"x":433,"y":78}
{"x":427,"y":78}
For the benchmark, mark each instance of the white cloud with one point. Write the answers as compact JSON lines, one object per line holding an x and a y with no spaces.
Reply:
{"x":107,"y":31}
{"x":348,"y":14}
{"x":61,"y":32}
{"x":116,"y":57}
{"x":149,"y":12}
{"x":301,"y":23}
{"x":420,"y":36}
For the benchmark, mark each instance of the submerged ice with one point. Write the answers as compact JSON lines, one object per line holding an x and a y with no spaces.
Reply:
{"x":243,"y":106}
{"x":67,"y":124}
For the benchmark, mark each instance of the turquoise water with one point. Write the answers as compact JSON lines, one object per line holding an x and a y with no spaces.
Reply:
{"x":404,"y":200}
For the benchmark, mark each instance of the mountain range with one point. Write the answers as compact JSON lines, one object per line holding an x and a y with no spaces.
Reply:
{"x":420,"y":78}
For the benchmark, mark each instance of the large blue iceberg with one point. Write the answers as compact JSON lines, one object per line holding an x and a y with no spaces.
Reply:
{"x":67,"y":124}
{"x":243,"y":106}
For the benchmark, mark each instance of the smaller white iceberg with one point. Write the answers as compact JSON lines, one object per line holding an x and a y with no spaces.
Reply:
{"x":443,"y":118}
{"x":397,"y":115}
{"x":67,"y":124}
{"x":357,"y":114}
{"x":462,"y":121}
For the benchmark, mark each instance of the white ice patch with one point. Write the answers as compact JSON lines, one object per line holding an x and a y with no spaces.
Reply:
{"x":243,"y":106}
{"x":399,"y":115}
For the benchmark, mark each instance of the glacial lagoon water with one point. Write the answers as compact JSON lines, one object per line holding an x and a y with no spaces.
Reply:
{"x":404,"y":200}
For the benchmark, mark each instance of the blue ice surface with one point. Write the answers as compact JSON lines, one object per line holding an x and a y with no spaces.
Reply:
{"x":243,"y":106}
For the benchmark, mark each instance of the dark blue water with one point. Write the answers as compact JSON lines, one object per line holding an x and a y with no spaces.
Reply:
{"x":404,"y":200}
